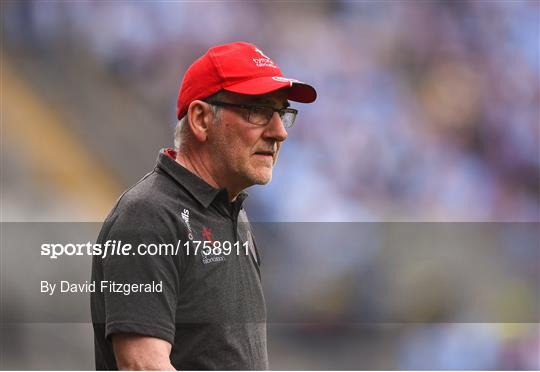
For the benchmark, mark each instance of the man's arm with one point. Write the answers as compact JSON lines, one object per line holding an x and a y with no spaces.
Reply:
{"x":136,"y":352}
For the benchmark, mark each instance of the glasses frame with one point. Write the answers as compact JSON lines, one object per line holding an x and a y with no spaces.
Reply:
{"x":281,"y":112}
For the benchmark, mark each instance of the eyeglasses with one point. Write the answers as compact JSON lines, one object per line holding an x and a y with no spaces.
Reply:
{"x":261,"y":115}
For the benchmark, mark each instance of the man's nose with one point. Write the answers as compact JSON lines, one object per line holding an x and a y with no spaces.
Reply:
{"x":275,"y":129}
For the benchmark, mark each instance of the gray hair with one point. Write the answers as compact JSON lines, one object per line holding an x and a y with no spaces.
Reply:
{"x":182,"y":131}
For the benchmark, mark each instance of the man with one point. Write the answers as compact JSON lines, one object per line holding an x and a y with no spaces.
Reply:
{"x":200,"y":306}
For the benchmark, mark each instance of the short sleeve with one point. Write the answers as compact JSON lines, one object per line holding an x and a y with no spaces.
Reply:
{"x":146,"y":313}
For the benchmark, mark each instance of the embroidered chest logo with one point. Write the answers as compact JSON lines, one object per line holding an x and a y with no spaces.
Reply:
{"x":212,"y":251}
{"x":207,"y":234}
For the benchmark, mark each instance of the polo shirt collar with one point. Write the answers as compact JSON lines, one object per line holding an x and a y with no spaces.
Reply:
{"x":198,"y":188}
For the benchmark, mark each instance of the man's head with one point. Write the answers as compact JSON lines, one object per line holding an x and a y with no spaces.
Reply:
{"x":233,"y":109}
{"x":237,"y":67}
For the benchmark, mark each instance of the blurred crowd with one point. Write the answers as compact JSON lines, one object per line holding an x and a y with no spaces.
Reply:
{"x":427,"y":111}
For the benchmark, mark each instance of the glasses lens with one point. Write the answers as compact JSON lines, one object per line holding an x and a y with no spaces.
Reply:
{"x":260,"y":115}
{"x":288,"y":119}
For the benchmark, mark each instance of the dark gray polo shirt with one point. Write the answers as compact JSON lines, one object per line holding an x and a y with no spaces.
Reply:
{"x":210,"y":305}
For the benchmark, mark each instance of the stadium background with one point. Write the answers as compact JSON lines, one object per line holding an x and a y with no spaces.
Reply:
{"x":427,"y":111}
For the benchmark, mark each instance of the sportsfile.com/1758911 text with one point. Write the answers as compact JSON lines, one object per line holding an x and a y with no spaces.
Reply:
{"x":117,"y":248}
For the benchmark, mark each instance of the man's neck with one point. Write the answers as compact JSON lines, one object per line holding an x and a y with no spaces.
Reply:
{"x":196,"y":165}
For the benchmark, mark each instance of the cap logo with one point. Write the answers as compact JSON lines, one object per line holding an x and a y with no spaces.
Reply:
{"x":261,"y":53}
{"x":284,"y":79}
{"x":265,"y":61}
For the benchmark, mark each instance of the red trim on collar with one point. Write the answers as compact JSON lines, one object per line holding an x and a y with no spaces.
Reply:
{"x":171,"y":153}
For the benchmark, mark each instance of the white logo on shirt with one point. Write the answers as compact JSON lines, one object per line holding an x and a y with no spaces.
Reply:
{"x":185,"y":218}
{"x":207,"y":260}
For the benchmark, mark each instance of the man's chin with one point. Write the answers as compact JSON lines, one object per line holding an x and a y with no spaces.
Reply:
{"x":262,"y":179}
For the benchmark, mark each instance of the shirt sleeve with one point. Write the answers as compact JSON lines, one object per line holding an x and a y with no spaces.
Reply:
{"x":145,"y":313}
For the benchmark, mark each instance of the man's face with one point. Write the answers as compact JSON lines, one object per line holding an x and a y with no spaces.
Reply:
{"x":244,"y":154}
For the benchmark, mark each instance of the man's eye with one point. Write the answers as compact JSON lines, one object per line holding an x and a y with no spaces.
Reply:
{"x":259,"y":110}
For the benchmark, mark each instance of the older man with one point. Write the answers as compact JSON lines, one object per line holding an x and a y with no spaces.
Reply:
{"x":199,"y":304}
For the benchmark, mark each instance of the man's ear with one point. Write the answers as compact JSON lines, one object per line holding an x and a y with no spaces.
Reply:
{"x":199,"y":119}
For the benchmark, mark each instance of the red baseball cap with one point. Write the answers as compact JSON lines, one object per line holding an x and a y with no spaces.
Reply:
{"x":237,"y":67}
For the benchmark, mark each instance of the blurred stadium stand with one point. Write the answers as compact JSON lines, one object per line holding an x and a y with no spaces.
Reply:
{"x":425,"y":112}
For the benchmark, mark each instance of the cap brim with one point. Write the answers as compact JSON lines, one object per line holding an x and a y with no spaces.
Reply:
{"x":297,"y":91}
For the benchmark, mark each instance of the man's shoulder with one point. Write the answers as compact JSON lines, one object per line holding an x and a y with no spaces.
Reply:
{"x":153,"y":196}
{"x":153,"y":205}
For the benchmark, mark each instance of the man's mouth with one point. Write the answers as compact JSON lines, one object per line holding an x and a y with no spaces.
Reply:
{"x":268,"y":154}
